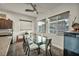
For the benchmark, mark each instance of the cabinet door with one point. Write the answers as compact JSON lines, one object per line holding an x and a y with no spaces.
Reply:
{"x":2,"y":24}
{"x":5,"y":24}
{"x":8,"y":24}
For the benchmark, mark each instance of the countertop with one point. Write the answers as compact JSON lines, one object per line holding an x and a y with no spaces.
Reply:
{"x":4,"y":45}
{"x":72,"y":32}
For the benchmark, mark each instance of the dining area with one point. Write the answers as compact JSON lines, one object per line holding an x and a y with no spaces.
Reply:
{"x":40,"y":44}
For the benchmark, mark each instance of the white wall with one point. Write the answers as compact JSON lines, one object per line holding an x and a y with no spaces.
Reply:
{"x":58,"y":41}
{"x":16,"y":23}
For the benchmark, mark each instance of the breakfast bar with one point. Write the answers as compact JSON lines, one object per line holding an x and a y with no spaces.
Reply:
{"x":4,"y":45}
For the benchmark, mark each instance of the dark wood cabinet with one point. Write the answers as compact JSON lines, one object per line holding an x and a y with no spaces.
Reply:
{"x":6,"y":24}
{"x":2,"y":22}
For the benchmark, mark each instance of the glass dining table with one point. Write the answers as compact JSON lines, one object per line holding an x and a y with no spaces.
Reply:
{"x":39,"y":42}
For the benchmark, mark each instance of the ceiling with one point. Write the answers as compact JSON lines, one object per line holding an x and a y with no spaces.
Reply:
{"x":20,"y":7}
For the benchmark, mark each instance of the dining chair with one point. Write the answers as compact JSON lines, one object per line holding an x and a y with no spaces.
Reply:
{"x":24,"y":44}
{"x":47,"y":47}
{"x":29,"y":45}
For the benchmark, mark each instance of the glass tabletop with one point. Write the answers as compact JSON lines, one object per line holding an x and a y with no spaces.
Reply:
{"x":37,"y":39}
{"x":40,"y":41}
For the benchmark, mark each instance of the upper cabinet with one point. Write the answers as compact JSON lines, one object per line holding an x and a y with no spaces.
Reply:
{"x":5,"y":24}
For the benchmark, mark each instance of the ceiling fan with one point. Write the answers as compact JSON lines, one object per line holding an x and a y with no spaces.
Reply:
{"x":32,"y":10}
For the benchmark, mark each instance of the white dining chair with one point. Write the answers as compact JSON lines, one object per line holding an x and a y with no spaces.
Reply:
{"x":30,"y":45}
{"x":47,"y":46}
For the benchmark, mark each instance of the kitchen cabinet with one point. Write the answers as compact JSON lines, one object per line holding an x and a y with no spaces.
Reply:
{"x":2,"y":23}
{"x":5,"y":24}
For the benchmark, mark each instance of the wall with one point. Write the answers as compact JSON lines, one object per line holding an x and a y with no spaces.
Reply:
{"x":16,"y":23}
{"x":58,"y":41}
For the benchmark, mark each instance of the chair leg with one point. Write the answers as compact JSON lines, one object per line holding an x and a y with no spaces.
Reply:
{"x":24,"y":47}
{"x":38,"y":50}
{"x":28,"y":52}
{"x":50,"y":52}
{"x":46,"y":52}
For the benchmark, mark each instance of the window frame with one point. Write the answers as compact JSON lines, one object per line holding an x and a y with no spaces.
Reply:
{"x":53,"y":21}
{"x":42,"y":26}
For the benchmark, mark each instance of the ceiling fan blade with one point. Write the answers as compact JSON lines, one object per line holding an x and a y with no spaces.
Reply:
{"x":29,"y":10}
{"x":34,"y":8}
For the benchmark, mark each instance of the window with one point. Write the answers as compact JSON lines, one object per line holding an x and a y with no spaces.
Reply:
{"x":59,"y":23}
{"x":25,"y":25}
{"x":42,"y":26}
{"x":53,"y":24}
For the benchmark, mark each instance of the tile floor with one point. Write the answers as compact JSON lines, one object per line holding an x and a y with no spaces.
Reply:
{"x":19,"y":51}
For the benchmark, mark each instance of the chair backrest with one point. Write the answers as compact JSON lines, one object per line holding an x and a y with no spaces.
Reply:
{"x":44,"y":39}
{"x":25,"y":40}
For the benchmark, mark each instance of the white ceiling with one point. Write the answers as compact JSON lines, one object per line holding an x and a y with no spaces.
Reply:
{"x":20,"y":7}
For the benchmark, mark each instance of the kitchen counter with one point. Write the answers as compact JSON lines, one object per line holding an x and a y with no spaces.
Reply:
{"x":71,"y":43}
{"x":4,"y":45}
